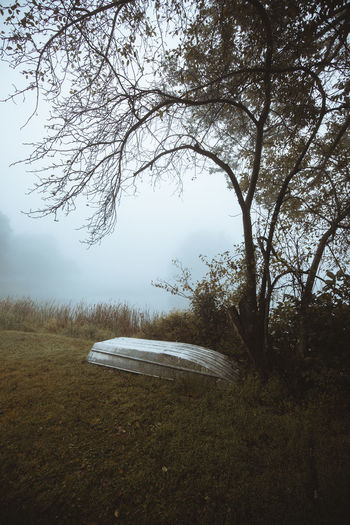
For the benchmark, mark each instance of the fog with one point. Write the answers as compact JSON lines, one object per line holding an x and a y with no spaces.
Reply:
{"x":32,"y":265}
{"x":45,"y":259}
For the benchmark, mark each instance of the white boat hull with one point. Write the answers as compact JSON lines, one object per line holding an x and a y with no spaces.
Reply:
{"x":162,"y":359}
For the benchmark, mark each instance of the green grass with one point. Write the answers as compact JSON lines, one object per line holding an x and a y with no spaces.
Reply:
{"x":82,"y":444}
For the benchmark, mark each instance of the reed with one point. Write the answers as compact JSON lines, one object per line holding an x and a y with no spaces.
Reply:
{"x":85,"y":320}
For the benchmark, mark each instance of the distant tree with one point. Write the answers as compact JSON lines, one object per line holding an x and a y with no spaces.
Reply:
{"x":257,"y":90}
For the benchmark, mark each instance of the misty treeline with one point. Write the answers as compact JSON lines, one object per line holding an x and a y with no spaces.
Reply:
{"x":255,"y":91}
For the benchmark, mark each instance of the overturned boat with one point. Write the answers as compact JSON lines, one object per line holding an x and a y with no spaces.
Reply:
{"x":162,"y":359}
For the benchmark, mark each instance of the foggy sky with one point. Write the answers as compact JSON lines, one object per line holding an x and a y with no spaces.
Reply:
{"x":32,"y":265}
{"x":45,"y":259}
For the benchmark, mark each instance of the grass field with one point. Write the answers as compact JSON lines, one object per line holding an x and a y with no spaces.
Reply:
{"x":82,"y":444}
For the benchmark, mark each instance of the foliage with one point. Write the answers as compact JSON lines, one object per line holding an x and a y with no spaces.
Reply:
{"x":256,"y":90}
{"x":327,"y":355}
{"x":204,"y":324}
{"x":209,"y":298}
{"x":328,"y":358}
{"x":215,"y":329}
{"x":174,"y":326}
{"x":87,"y":444}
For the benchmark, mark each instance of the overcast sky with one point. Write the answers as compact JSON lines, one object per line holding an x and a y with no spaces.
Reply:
{"x":45,"y":259}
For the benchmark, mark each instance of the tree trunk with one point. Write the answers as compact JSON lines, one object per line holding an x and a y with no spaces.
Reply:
{"x":303,"y":339}
{"x":249,"y":326}
{"x":306,"y":298}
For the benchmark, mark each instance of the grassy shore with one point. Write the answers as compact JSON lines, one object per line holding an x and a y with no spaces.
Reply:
{"x":82,"y":444}
{"x":89,"y":321}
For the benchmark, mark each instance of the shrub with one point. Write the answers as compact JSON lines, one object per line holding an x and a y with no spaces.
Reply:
{"x":176,"y":326}
{"x":328,"y":357}
{"x":213,"y":325}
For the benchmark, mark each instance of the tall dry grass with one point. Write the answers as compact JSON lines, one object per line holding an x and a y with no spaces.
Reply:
{"x":91,"y":321}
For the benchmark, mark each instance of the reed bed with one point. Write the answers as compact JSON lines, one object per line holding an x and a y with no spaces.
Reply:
{"x":90,"y":321}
